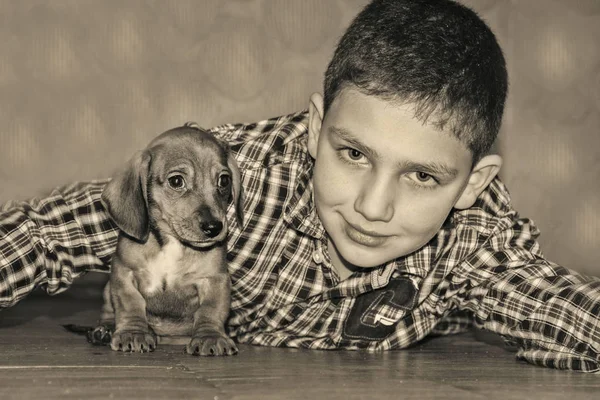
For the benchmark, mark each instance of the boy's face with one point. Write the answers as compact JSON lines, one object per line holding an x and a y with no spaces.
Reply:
{"x":383,"y":182}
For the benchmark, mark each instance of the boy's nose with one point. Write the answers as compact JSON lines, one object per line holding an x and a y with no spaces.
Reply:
{"x":375,"y":201}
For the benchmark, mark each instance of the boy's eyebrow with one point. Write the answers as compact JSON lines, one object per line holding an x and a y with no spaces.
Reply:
{"x":432,"y":168}
{"x":347,"y":137}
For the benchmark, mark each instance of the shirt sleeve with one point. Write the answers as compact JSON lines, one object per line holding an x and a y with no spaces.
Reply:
{"x":548,"y":312}
{"x":51,"y":241}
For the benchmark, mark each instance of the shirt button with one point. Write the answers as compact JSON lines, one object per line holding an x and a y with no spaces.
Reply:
{"x":317,"y":257}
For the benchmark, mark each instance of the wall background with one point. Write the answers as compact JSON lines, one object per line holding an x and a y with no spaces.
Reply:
{"x":85,"y":83}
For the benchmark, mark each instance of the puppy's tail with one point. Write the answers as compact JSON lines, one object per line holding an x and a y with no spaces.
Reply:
{"x":98,"y":336}
{"x":78,"y":329}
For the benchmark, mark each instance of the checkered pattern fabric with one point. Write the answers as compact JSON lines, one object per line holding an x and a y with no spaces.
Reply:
{"x":483,"y":268}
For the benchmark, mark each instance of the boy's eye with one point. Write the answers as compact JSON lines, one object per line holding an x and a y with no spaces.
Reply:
{"x":423,"y":180}
{"x":423,"y":177}
{"x":354,"y":154}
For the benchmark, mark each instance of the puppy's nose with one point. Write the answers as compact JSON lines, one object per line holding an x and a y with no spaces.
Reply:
{"x":211,"y":228}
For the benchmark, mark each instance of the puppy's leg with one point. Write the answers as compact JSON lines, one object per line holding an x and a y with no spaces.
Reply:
{"x":132,"y":332}
{"x":102,"y":333}
{"x":209,"y":337}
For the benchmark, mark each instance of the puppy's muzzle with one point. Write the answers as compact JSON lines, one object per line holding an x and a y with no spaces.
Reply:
{"x":211,"y":223}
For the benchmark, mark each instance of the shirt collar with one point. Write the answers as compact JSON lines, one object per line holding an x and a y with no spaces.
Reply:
{"x":300,"y":212}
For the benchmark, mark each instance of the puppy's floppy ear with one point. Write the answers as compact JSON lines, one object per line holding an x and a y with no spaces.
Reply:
{"x":238,"y":196}
{"x":126,"y":197}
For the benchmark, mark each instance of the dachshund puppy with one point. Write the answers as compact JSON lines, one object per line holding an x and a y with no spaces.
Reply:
{"x":169,"y":281}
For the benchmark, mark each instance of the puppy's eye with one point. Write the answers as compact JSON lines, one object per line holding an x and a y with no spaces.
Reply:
{"x":224,"y":181}
{"x":176,"y":182}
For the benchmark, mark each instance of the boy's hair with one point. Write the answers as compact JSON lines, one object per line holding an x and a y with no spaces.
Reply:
{"x":435,"y":54}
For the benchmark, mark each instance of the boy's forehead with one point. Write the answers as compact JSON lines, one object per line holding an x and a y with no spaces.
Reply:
{"x":352,"y":107}
{"x":390,"y":125}
{"x":351,"y":98}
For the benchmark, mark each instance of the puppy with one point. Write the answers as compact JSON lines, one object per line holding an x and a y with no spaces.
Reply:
{"x":169,"y":281}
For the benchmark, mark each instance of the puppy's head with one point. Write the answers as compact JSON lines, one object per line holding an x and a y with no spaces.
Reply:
{"x":179,"y":186}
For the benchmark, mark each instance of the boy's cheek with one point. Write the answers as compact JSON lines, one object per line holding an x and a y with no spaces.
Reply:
{"x":423,"y":216}
{"x":328,"y":177}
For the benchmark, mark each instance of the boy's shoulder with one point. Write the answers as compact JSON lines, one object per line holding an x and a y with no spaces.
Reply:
{"x":492,"y":212}
{"x":267,"y":142}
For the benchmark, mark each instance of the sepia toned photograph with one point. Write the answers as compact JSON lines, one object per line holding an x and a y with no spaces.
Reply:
{"x":299,"y":199}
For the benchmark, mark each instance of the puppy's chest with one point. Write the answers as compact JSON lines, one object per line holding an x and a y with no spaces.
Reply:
{"x":171,"y":269}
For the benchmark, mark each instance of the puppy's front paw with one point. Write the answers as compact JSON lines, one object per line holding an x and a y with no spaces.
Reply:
{"x":142,"y":342}
{"x":211,"y":345}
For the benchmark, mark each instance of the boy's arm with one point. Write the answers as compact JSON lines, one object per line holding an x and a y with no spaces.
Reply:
{"x":51,"y":241}
{"x":551,"y":313}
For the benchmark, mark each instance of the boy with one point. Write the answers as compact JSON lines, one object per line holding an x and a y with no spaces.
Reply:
{"x":372,"y":220}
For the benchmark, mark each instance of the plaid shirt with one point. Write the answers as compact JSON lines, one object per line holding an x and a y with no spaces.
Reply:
{"x":484,"y":267}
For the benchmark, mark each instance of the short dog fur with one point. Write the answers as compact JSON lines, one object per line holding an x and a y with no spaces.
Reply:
{"x":169,"y":281}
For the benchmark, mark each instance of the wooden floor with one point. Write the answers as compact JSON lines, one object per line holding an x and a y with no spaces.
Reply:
{"x":40,"y":360}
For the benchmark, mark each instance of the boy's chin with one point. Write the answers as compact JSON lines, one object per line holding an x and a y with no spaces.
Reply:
{"x":366,"y":264}
{"x":370,"y":259}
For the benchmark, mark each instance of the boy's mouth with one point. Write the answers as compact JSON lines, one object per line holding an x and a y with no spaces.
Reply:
{"x":364,"y":237}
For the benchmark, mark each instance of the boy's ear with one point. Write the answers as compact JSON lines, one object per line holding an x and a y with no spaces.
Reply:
{"x":315,"y":121}
{"x":482,"y":174}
